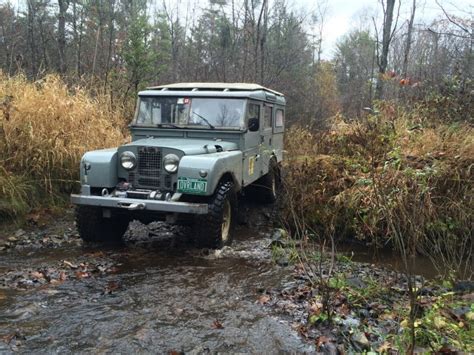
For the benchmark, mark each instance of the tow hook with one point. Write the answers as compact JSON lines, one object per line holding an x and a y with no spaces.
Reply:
{"x":131,"y":206}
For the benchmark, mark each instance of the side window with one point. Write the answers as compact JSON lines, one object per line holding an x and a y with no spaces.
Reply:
{"x":279,"y":118}
{"x":267,"y":119}
{"x":254,"y":111}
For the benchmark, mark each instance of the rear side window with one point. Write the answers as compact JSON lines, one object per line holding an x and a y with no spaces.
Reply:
{"x":267,"y":119}
{"x":279,"y":118}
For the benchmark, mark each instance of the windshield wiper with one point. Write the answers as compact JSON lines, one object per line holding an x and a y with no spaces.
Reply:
{"x":204,"y":119}
{"x":172,"y":125}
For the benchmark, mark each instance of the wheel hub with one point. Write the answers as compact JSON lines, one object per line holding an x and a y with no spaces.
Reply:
{"x":226,"y":221}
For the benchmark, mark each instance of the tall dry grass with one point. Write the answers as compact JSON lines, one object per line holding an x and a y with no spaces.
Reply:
{"x":399,"y":168}
{"x":45,"y":128}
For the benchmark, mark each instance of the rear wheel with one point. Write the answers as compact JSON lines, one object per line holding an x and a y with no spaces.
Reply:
{"x":215,"y":230}
{"x":93,"y":227}
{"x":268,"y":185}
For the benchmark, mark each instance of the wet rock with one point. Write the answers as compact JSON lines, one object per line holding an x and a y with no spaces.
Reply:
{"x":283,"y":261}
{"x":19,"y":233}
{"x":464,"y":286}
{"x":360,"y":341}
{"x":461,"y":312}
{"x":329,"y":348}
{"x":351,"y":322}
{"x":356,"y":282}
{"x":279,"y":238}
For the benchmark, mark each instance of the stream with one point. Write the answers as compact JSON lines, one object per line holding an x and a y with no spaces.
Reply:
{"x":153,"y":294}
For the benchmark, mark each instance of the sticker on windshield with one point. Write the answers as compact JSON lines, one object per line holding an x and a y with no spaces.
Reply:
{"x":180,"y":101}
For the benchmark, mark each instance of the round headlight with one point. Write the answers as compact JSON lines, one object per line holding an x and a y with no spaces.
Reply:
{"x":128,"y":160}
{"x":170,"y":163}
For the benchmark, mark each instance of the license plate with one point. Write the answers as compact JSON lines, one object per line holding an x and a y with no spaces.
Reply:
{"x":193,"y":186}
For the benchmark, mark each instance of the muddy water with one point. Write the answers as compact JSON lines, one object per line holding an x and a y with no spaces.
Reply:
{"x":388,"y":258}
{"x":162,"y":296}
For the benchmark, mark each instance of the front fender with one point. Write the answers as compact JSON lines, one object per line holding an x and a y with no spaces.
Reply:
{"x":216,"y":165}
{"x":102,"y":171}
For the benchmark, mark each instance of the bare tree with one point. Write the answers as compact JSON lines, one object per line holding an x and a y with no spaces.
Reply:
{"x":409,"y":39}
{"x":387,"y":35}
{"x":63,"y":5}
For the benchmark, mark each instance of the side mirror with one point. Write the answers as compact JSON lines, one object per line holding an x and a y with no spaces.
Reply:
{"x":253,"y":124}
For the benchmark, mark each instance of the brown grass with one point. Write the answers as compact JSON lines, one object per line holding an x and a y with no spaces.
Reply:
{"x":45,"y":127}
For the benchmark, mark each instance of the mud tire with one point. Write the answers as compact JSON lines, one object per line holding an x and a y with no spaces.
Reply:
{"x":94,"y":228}
{"x":267,"y":187}
{"x":211,"y":232}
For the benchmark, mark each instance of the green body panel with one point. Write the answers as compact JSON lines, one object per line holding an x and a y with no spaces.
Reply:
{"x":189,"y":146}
{"x":103,"y":168}
{"x":215,"y":165}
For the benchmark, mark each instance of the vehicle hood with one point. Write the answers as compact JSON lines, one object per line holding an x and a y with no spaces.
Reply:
{"x":189,"y":146}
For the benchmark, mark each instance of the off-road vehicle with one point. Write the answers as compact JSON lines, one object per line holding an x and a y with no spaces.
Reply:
{"x":195,"y":148}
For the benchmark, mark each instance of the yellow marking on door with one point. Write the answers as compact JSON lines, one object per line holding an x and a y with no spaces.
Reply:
{"x":251,"y":165}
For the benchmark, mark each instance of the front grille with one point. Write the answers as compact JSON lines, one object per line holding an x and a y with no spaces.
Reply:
{"x":131,"y":177}
{"x":149,"y":173}
{"x":149,"y":161}
{"x":149,"y":182}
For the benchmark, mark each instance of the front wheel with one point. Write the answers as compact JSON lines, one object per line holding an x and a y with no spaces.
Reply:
{"x":215,"y":230}
{"x":93,"y":227}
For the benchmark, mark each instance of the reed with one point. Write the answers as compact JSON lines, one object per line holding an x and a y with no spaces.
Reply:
{"x":45,"y":128}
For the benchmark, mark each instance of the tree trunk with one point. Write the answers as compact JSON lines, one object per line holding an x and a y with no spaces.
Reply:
{"x":408,"y":43}
{"x":30,"y":36}
{"x":111,"y":38}
{"x":63,"y":5}
{"x":386,"y":39}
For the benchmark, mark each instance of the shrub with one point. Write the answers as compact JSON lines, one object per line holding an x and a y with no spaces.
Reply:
{"x":396,"y":168}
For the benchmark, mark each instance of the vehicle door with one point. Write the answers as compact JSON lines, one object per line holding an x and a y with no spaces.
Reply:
{"x":266,"y":134}
{"x":252,"y":140}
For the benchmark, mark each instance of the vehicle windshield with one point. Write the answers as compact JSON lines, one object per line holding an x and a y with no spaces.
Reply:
{"x":190,"y":112}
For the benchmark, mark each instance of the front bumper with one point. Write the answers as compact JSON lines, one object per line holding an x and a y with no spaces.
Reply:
{"x":132,"y":204}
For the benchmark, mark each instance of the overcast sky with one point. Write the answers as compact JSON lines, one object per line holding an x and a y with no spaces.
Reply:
{"x":343,"y":15}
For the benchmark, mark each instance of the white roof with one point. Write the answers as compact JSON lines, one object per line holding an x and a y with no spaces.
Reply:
{"x":216,"y":86}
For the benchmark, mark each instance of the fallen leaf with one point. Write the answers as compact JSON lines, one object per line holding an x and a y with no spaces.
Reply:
{"x":315,"y":307}
{"x":96,"y":254}
{"x":217,"y":325}
{"x":8,"y":338}
{"x":264,"y":299}
{"x":112,"y":269}
{"x":82,"y":274}
{"x":71,"y":265}
{"x":37,"y":275}
{"x":178,"y":311}
{"x":62,"y":276}
{"x":323,"y":340}
{"x":385,"y":347}
{"x":112,"y":286}
{"x":344,"y":309}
